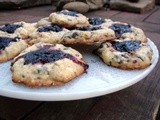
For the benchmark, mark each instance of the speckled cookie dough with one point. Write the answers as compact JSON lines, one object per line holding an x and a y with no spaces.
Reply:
{"x":124,"y":30}
{"x":21,"y":29}
{"x":126,"y":54}
{"x":68,"y":19}
{"x":10,"y":47}
{"x":47,"y":34}
{"x":87,"y":35}
{"x":47,"y":65}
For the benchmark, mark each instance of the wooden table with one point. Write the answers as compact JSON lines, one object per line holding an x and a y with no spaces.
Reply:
{"x":138,"y":102}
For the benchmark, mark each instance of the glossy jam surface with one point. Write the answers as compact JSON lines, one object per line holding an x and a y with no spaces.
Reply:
{"x":89,"y":28}
{"x":126,"y":46}
{"x":10,"y":28}
{"x":96,"y":21}
{"x":5,"y":41}
{"x":120,"y":29}
{"x":69,"y":13}
{"x":46,"y":55}
{"x":54,"y":28}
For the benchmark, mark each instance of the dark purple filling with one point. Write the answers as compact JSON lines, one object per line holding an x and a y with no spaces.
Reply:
{"x":126,"y":46}
{"x":46,"y":55}
{"x":54,"y":28}
{"x":10,"y":28}
{"x":5,"y":41}
{"x":89,"y":28}
{"x":96,"y":21}
{"x":69,"y":13}
{"x":119,"y":29}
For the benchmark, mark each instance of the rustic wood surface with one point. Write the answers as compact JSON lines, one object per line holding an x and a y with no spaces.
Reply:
{"x":138,"y":102}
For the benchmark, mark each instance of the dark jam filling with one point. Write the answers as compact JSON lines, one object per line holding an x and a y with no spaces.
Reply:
{"x":69,"y":13}
{"x":5,"y":41}
{"x":126,"y":46}
{"x":119,"y":29}
{"x":54,"y":28}
{"x":45,"y":55}
{"x":89,"y":28}
{"x":96,"y":21}
{"x":10,"y":28}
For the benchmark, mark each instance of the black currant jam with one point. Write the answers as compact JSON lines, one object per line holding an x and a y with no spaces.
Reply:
{"x":96,"y":21}
{"x":5,"y":41}
{"x":10,"y":28}
{"x":46,"y":55}
{"x":119,"y":29}
{"x":54,"y":28}
{"x":126,"y":46}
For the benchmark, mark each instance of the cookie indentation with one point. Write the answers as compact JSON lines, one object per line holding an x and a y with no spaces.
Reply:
{"x":5,"y":41}
{"x":89,"y":28}
{"x":46,"y":55}
{"x":119,"y":29}
{"x":96,"y":21}
{"x":69,"y":13}
{"x":126,"y":46}
{"x":54,"y":28}
{"x":10,"y":28}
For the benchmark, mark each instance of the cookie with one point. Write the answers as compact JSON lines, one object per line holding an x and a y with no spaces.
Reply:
{"x":68,"y":19}
{"x":126,"y":54}
{"x":22,"y":29}
{"x":124,"y":31}
{"x":43,"y":22}
{"x":47,"y":34}
{"x":10,"y":47}
{"x":88,"y":35}
{"x":47,"y":65}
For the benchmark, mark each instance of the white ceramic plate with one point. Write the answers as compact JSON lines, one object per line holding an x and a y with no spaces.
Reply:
{"x":99,"y":80}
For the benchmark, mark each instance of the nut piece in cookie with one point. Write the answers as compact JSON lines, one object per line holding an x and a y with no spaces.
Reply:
{"x":10,"y":47}
{"x":124,"y":30}
{"x":88,"y":35}
{"x":47,"y":65}
{"x":126,"y":54}
{"x":21,"y":29}
{"x":47,"y":34}
{"x":68,"y":19}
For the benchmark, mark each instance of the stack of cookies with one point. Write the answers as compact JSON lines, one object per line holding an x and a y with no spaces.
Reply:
{"x":41,"y":59}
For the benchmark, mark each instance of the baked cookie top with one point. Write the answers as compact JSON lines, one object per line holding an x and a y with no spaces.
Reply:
{"x":47,"y":65}
{"x":10,"y":47}
{"x":21,"y":29}
{"x":47,"y":34}
{"x":88,"y":35}
{"x":126,"y":54}
{"x":68,"y":19}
